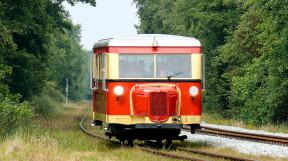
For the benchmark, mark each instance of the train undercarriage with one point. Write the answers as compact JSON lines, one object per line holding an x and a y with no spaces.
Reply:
{"x":163,"y":134}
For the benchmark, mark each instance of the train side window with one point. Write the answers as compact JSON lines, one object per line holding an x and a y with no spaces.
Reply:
{"x":97,"y":71}
{"x":94,"y":72}
{"x":103,"y":71}
{"x":97,"y":67}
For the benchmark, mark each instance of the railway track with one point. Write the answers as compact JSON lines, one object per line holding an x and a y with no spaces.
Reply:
{"x":242,"y":135}
{"x":166,"y":153}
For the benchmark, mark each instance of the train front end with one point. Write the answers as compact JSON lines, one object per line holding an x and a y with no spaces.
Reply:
{"x":147,"y":87}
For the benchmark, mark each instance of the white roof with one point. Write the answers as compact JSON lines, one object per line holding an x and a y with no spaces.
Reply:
{"x":149,"y":40}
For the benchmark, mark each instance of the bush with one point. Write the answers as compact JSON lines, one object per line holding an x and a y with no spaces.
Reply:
{"x":44,"y":105}
{"x":52,"y":92}
{"x":13,"y":115}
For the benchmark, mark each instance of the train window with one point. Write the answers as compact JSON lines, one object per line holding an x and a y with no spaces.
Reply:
{"x":103,"y":71}
{"x":173,"y":64}
{"x":94,"y":66}
{"x":100,"y":66}
{"x":136,"y":66}
{"x":97,"y":67}
{"x":94,"y":72}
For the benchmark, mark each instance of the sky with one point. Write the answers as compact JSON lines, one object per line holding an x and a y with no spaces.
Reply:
{"x":110,"y":18}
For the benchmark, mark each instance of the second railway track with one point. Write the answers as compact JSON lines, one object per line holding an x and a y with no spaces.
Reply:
{"x":242,"y":135}
{"x":166,"y":153}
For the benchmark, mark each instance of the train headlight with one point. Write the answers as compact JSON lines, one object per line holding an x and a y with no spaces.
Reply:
{"x":193,"y":91}
{"x":118,"y":90}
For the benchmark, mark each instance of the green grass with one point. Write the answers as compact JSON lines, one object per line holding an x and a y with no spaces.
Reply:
{"x":59,"y":138}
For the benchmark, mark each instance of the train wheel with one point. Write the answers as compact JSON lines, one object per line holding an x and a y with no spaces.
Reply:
{"x":154,"y":143}
{"x":159,"y":143}
{"x":127,"y":143}
{"x":130,"y":142}
{"x":167,"y":144}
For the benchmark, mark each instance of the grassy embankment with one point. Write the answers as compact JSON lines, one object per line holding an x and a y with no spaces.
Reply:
{"x":59,"y":138}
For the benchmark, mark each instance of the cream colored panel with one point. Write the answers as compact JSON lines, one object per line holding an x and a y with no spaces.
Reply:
{"x":196,"y":66}
{"x":190,"y":119}
{"x":99,"y":116}
{"x":113,"y":66}
{"x":127,"y":119}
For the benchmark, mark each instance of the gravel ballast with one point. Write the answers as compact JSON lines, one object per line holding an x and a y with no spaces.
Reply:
{"x":233,"y":128}
{"x":244,"y":146}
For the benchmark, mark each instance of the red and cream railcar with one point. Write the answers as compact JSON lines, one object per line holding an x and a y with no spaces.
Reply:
{"x":147,"y":87}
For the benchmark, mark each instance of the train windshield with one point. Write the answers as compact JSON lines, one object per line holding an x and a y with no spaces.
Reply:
{"x":176,"y":65}
{"x":154,"y":65}
{"x":136,"y":66}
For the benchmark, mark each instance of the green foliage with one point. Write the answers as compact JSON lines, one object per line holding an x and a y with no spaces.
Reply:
{"x":33,"y":35}
{"x":39,"y":48}
{"x":245,"y":43}
{"x":13,"y":115}
{"x":4,"y":71}
{"x":258,"y":76}
{"x":51,"y":90}
{"x":68,"y":60}
{"x":72,"y":2}
{"x":44,"y":105}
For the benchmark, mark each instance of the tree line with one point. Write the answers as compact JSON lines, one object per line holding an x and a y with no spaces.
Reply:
{"x":39,"y":49}
{"x":246,"y":47}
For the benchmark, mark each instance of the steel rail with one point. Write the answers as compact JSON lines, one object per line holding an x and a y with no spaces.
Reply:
{"x":242,"y":135}
{"x":90,"y":133}
{"x":220,"y":156}
{"x":165,"y":154}
{"x":251,"y":134}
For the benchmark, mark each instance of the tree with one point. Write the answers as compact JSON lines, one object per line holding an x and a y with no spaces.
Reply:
{"x":32,"y":34}
{"x":245,"y":43}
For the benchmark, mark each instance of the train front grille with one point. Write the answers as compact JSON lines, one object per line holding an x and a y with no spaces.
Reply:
{"x":158,"y":104}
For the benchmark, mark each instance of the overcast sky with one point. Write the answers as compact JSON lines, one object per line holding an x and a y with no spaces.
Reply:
{"x":109,"y":18}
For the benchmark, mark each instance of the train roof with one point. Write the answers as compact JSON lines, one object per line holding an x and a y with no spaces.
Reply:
{"x":148,"y":40}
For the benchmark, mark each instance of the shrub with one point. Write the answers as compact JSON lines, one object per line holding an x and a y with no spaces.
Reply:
{"x":13,"y":115}
{"x":44,"y":105}
{"x":52,"y":91}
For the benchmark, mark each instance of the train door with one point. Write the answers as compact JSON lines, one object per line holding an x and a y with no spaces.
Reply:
{"x":101,"y":86}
